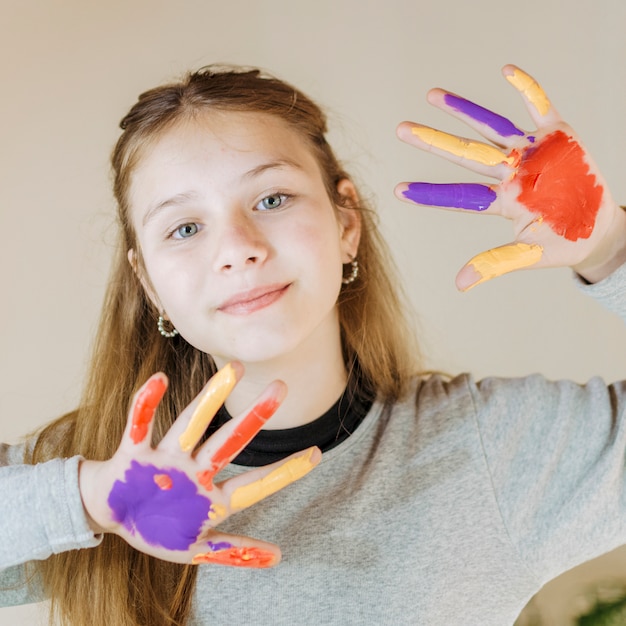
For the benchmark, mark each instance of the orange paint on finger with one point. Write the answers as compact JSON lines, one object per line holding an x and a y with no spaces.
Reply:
{"x":145,"y":407}
{"x":205,"y":478}
{"x":246,"y":430}
{"x":238,"y":557}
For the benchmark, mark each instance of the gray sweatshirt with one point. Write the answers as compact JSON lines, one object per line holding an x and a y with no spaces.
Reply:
{"x":452,"y":507}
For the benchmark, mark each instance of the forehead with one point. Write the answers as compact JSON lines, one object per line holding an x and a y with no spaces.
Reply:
{"x":214,"y":150}
{"x":224,"y":138}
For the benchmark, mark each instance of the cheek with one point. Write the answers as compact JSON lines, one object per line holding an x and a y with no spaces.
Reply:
{"x":320,"y":255}
{"x":171,"y":282}
{"x":321,"y":234}
{"x":325,"y":272}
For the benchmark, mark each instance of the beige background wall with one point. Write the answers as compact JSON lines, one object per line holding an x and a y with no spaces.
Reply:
{"x":70,"y":69}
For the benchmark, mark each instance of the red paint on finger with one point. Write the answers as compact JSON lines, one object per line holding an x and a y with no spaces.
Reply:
{"x":245,"y":432}
{"x":238,"y":557}
{"x":205,"y":478}
{"x":144,"y":408}
{"x":556,"y":184}
{"x":238,"y":439}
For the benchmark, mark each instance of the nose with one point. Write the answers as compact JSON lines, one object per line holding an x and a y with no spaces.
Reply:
{"x":240,"y":244}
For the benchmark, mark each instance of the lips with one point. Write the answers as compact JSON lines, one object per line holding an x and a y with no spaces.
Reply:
{"x":253,"y":300}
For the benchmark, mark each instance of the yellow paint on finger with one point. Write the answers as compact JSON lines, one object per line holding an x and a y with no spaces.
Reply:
{"x":464,"y":148}
{"x":217,"y":512}
{"x":531,"y":89}
{"x":282,"y":476}
{"x":498,"y":261}
{"x":220,"y":386}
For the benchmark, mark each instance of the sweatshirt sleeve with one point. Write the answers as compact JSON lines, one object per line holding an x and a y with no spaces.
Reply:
{"x":41,"y":512}
{"x":609,"y":292}
{"x":556,"y":455}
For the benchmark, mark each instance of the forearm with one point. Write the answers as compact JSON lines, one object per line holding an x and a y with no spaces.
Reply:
{"x":41,"y":511}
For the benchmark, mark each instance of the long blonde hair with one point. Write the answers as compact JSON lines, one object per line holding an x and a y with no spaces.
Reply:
{"x":114,"y":581}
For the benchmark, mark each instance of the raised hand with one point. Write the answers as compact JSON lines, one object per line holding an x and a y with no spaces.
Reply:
{"x":560,"y":206}
{"x":163,"y":500}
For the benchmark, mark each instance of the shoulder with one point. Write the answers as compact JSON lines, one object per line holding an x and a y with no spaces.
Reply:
{"x":432,"y":393}
{"x":444,"y":400}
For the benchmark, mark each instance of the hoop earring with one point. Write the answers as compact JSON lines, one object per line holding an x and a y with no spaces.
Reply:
{"x":353,"y":274}
{"x":166,"y":333}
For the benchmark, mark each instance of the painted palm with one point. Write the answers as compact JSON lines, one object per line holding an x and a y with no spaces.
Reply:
{"x":546,"y":183}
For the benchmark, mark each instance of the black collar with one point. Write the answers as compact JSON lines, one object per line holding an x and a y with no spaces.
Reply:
{"x":326,"y":432}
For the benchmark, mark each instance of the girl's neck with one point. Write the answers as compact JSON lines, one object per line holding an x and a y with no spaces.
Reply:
{"x":315,"y":375}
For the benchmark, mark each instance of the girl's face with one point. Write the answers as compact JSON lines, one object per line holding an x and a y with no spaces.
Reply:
{"x":243,"y":249}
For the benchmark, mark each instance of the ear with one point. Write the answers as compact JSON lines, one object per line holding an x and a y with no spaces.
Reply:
{"x":349,"y":219}
{"x":143,"y":279}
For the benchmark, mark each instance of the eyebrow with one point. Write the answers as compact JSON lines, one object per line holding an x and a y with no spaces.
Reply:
{"x":181,"y":198}
{"x":278,"y":164}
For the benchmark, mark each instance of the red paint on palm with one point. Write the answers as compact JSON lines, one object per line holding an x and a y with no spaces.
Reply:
{"x":556,"y":184}
{"x":163,"y":481}
{"x":144,"y":408}
{"x":239,"y":439}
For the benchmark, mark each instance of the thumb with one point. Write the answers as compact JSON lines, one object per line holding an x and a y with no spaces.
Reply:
{"x":497,"y":261}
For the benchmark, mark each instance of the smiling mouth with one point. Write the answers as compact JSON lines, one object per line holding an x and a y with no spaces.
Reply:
{"x":254,"y":300}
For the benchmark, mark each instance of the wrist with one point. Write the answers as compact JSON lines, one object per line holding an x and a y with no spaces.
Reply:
{"x":610,"y":255}
{"x":87,"y":484}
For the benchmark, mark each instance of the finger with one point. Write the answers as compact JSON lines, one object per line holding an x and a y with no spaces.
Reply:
{"x":475,"y":155}
{"x":465,"y":196}
{"x":238,"y":433}
{"x":144,"y":405}
{"x":236,"y":551}
{"x":274,"y":478}
{"x":537,"y":102}
{"x":212,"y":397}
{"x":490,"y":125}
{"x":498,"y":261}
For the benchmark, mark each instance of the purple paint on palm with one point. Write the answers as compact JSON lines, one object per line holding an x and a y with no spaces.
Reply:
{"x":169,"y":518}
{"x":472,"y":196}
{"x":502,"y":126}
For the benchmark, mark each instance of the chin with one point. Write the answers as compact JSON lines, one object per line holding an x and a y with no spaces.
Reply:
{"x":286,"y":340}
{"x":258,"y":351}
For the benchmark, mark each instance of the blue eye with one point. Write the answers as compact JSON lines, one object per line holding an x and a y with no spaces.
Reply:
{"x":185,"y":231}
{"x":272,"y":202}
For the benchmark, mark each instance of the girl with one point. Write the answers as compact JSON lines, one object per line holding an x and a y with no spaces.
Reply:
{"x":244,"y":245}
